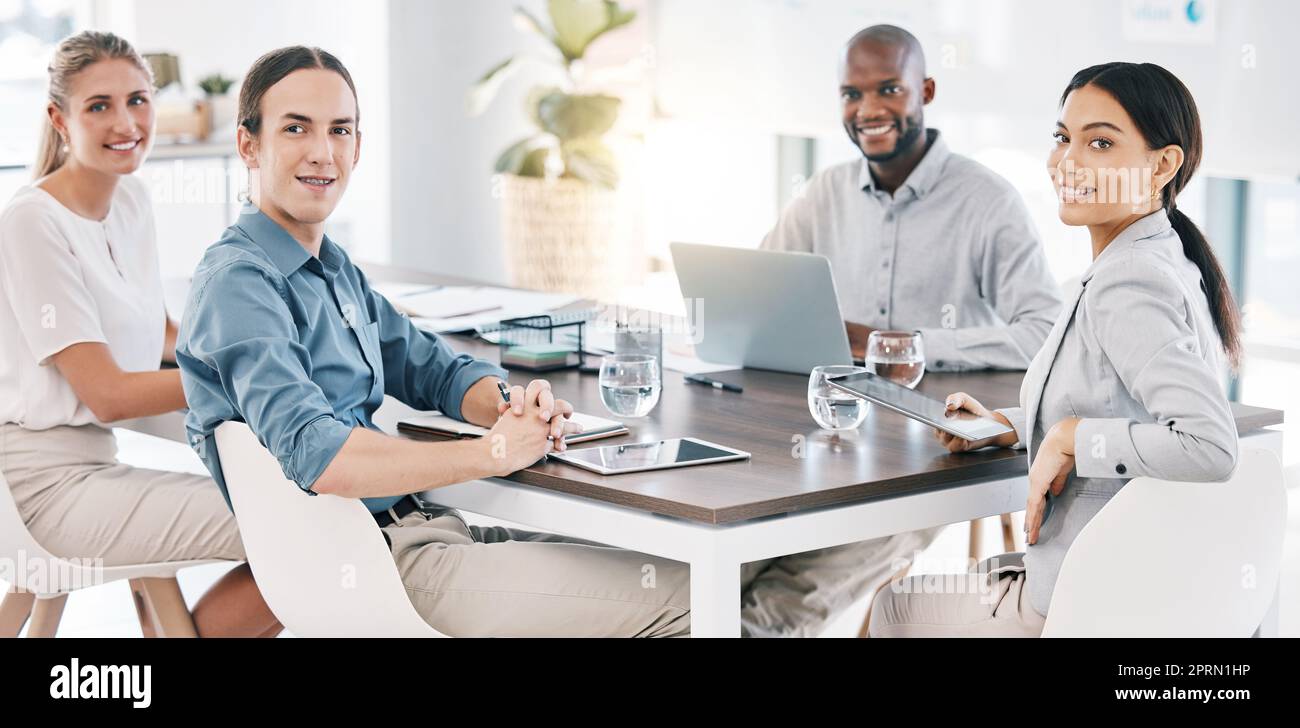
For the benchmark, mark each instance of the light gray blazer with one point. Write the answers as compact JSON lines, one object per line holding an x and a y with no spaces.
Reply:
{"x":1134,"y":354}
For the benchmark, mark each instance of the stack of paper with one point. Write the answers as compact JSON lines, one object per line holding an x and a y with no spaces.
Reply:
{"x":537,"y":357}
{"x":443,"y":309}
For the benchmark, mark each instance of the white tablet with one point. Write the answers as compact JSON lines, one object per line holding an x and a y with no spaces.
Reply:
{"x":654,"y":455}
{"x":919,"y":407}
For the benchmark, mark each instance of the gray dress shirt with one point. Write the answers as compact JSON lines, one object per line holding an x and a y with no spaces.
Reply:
{"x":952,"y":254}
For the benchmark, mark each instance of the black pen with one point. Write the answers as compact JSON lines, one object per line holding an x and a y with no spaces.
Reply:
{"x":708,"y":382}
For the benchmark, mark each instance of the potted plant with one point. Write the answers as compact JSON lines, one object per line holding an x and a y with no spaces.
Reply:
{"x":221,"y":105}
{"x":557,"y":184}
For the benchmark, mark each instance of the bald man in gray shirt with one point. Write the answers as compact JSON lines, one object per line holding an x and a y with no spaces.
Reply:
{"x":919,"y":239}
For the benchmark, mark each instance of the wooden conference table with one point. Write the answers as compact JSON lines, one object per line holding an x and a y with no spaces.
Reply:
{"x":803,"y":489}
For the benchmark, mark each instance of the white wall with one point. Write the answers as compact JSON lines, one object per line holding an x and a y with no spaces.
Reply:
{"x":729,"y":75}
{"x":227,"y":37}
{"x":1000,"y":65}
{"x":771,"y":67}
{"x":445,"y":218}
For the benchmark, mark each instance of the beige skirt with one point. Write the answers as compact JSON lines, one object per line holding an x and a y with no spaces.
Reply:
{"x":78,"y":501}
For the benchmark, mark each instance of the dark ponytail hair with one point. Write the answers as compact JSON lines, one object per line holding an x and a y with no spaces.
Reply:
{"x":1165,"y":113}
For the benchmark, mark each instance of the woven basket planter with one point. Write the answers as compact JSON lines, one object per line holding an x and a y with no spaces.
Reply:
{"x":561,"y":235}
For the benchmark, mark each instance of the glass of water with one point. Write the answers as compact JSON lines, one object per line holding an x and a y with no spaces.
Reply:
{"x":897,"y":356}
{"x":629,"y":384}
{"x":831,"y":408}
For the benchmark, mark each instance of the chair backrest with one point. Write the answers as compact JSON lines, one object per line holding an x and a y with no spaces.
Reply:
{"x":1169,"y":559}
{"x":321,"y":563}
{"x":16,"y":542}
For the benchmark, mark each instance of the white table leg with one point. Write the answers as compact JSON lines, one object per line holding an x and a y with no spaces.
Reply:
{"x":715,"y":598}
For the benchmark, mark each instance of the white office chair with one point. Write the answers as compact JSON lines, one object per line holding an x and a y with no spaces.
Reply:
{"x":322,"y":565}
{"x":1167,"y":559}
{"x":42,"y":594}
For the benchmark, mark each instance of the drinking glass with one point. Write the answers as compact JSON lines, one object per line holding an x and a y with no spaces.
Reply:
{"x":630,"y":384}
{"x":831,"y":408}
{"x":897,"y":356}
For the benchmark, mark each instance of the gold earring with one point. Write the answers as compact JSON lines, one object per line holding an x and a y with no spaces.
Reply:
{"x":65,"y":147}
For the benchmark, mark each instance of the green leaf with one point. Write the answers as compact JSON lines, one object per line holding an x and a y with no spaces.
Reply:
{"x":215,"y":84}
{"x":498,"y":68}
{"x":577,"y":23}
{"x":588,"y":159}
{"x":485,"y":89}
{"x":574,"y":116}
{"x":535,"y":163}
{"x":513,"y":158}
{"x":525,"y":20}
{"x":533,"y":103}
{"x":618,"y":16}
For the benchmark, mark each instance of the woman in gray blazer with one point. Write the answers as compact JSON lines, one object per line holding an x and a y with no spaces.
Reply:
{"x":1128,"y":383}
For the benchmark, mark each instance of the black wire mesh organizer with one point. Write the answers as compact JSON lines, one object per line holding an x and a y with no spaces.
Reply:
{"x":544,"y":329}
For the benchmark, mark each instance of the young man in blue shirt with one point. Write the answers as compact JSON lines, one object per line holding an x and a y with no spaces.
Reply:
{"x":283,"y":332}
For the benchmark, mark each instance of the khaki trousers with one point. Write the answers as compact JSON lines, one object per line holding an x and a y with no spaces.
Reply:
{"x":78,"y":501}
{"x":473,"y":581}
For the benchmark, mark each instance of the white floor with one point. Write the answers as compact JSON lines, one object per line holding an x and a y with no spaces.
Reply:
{"x":107,"y":611}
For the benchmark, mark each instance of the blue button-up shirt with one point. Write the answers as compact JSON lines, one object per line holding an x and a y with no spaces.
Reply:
{"x":302,"y":350}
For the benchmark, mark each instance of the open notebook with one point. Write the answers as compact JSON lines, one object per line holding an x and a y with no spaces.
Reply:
{"x":436,"y":423}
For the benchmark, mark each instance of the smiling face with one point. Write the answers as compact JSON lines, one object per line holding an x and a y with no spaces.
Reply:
{"x":1101,"y":166}
{"x":107,"y":117}
{"x":305,"y":149}
{"x":883,"y":90}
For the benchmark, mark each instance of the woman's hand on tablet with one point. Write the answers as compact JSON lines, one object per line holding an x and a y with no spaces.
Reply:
{"x":962,"y":402}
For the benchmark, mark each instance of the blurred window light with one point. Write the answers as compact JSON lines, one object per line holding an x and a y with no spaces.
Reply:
{"x":29,"y":31}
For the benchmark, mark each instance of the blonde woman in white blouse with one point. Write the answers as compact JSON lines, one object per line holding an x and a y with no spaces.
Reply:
{"x":84,"y":332}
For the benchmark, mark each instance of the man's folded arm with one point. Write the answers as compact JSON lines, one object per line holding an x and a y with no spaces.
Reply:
{"x":242,"y":329}
{"x":420,"y":369}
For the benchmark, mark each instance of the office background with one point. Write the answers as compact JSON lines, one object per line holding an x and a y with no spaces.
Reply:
{"x":728,"y":106}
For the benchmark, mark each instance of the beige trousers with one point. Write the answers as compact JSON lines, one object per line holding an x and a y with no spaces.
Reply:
{"x":78,"y":501}
{"x":988,"y":601}
{"x":473,"y":581}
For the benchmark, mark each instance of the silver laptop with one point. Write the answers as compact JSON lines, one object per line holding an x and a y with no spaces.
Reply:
{"x":760,"y":309}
